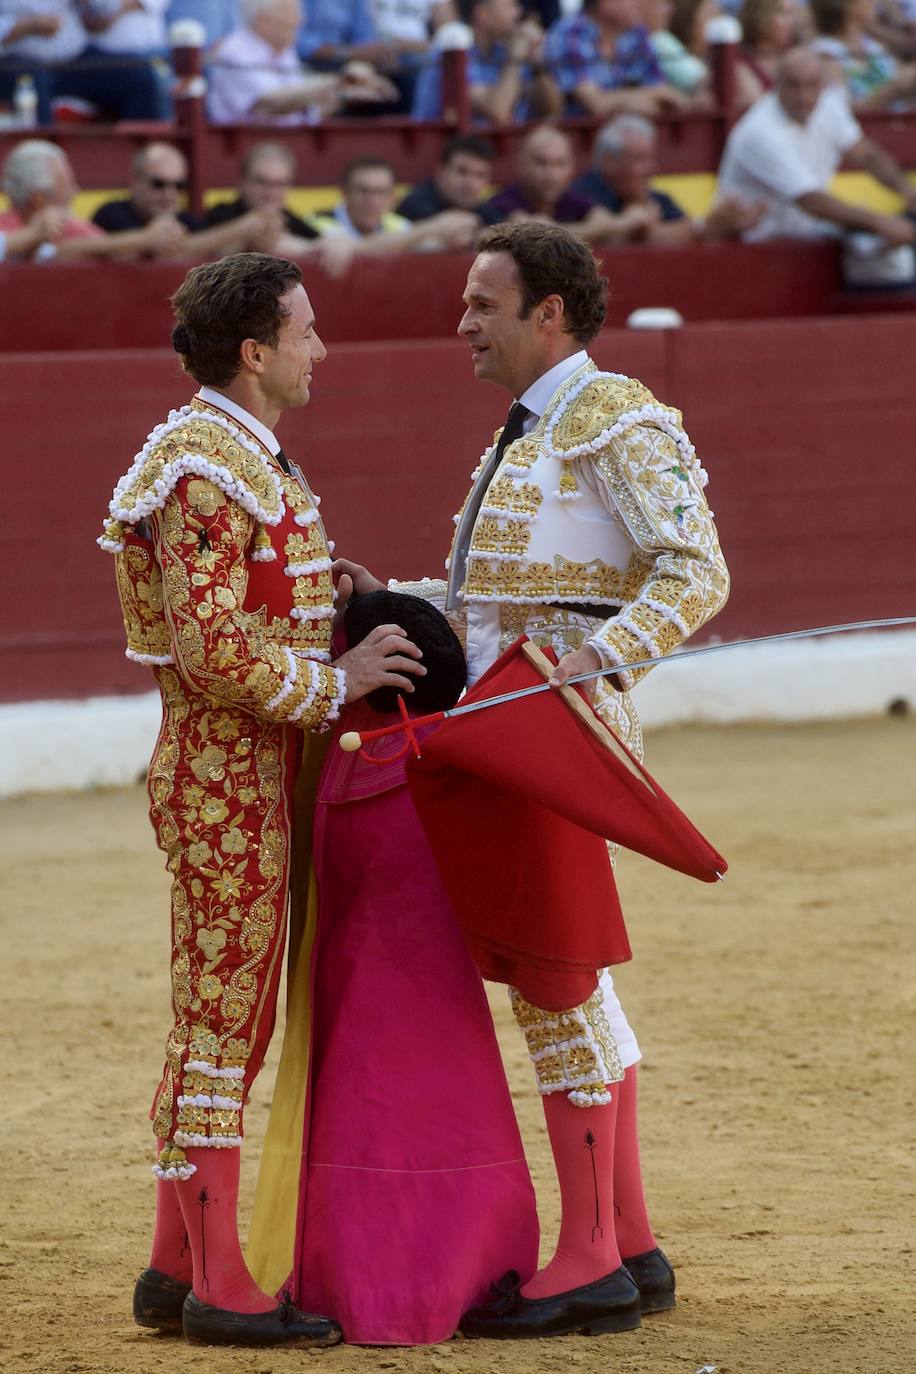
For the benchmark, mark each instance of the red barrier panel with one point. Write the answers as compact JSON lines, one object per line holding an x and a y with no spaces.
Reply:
{"x":805,"y":426}
{"x":125,"y":305}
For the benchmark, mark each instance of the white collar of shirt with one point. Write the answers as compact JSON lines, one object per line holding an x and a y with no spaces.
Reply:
{"x":211,"y":397}
{"x":540,"y":393}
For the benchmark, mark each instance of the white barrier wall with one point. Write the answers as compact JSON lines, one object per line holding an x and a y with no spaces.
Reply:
{"x":107,"y":741}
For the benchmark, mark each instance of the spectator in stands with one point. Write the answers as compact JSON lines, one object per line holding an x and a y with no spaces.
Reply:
{"x":873,"y":77}
{"x":681,"y":68}
{"x":410,"y":22}
{"x":134,"y":28}
{"x":604,"y":63}
{"x":267,"y":174}
{"x":624,"y":156}
{"x":340,"y":32}
{"x":37,"y":177}
{"x":46,"y":40}
{"x":786,"y":149}
{"x":507,"y":77}
{"x":46,"y":227}
{"x":689,"y":22}
{"x":256,"y":74}
{"x":364,"y":223}
{"x":769,"y":28}
{"x":158,"y":182}
{"x":367,"y":207}
{"x":218,"y":17}
{"x":460,"y":182}
{"x":543,"y":189}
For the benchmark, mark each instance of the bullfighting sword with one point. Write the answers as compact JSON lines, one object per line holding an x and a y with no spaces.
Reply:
{"x":351,"y":740}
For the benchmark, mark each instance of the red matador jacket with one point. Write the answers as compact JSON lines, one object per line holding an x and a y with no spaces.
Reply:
{"x":224,"y":576}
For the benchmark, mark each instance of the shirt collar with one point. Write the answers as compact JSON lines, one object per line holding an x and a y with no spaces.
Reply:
{"x":211,"y":397}
{"x":540,"y":393}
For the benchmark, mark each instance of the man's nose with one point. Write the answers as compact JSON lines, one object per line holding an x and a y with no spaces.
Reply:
{"x":467,"y":324}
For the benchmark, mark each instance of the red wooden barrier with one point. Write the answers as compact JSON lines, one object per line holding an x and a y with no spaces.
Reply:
{"x":125,"y":305}
{"x":805,"y":426}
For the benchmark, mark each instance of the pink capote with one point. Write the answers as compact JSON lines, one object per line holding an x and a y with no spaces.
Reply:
{"x":415,"y":1194}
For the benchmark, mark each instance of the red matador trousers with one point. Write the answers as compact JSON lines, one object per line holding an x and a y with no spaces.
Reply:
{"x":220,"y":787}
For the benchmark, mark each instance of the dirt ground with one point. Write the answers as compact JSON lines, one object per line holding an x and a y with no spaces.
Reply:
{"x":777,"y":1015}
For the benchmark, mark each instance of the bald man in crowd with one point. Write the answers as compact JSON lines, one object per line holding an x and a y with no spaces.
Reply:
{"x":787,"y":148}
{"x":543,"y":189}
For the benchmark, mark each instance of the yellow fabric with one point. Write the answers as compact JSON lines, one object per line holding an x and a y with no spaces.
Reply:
{"x":272,"y":1234}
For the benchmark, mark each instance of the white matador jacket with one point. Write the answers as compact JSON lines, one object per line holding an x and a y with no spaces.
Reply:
{"x":593,"y":529}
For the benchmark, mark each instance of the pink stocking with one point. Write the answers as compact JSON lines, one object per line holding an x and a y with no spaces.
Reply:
{"x":171,"y":1252}
{"x":209,"y":1203}
{"x":634,"y":1233}
{"x":582,"y":1140}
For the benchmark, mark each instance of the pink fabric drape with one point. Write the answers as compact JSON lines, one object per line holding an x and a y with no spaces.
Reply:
{"x":414,"y":1194}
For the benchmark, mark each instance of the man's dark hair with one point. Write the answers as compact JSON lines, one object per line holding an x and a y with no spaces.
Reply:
{"x":829,"y":16}
{"x":552,"y":261}
{"x":362,"y":164}
{"x":443,"y":657}
{"x":475,"y":145}
{"x":219,"y":304}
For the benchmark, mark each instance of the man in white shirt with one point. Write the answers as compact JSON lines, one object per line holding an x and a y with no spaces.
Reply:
{"x":786,"y":149}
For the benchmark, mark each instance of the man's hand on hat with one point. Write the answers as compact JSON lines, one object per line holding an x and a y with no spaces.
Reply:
{"x":361,"y":579}
{"x":385,"y":658}
{"x":584,"y":660}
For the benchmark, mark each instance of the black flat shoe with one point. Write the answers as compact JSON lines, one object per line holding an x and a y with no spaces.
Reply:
{"x":608,"y":1304}
{"x":654,"y":1277}
{"x":158,"y":1300}
{"x":283,"y":1325}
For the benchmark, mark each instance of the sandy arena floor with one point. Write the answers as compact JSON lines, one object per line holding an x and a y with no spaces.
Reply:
{"x":777,"y":1015}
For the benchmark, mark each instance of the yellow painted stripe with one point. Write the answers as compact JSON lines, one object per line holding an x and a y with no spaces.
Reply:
{"x":692,"y":191}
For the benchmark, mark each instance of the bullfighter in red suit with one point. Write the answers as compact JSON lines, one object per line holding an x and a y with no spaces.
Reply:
{"x":224,"y":575}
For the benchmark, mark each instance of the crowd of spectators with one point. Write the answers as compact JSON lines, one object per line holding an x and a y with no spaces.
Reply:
{"x":802,"y":73}
{"x":293,"y":61}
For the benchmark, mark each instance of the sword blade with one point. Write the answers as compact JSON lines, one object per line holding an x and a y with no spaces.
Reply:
{"x":818,"y":631}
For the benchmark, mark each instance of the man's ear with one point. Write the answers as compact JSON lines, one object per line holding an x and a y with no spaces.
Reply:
{"x":551,"y":312}
{"x":252,"y":354}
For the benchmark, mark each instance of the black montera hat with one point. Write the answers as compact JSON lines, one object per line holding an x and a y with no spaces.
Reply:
{"x":443,"y":657}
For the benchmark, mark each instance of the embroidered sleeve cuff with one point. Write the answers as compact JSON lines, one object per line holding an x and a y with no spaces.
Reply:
{"x":611,"y":658}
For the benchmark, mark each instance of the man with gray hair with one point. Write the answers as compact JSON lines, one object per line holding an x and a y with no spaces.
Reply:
{"x":623,"y":164}
{"x":37,"y":177}
{"x":256,"y":74}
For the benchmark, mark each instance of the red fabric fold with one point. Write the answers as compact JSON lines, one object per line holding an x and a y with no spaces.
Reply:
{"x":517,"y":803}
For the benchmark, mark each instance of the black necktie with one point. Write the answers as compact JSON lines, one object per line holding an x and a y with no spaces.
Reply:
{"x":283,"y":461}
{"x":515,"y":423}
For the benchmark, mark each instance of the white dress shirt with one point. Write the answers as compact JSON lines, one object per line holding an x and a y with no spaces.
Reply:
{"x":211,"y":397}
{"x":483,"y":618}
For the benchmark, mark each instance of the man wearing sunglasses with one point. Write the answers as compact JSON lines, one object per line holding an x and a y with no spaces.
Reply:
{"x":159,"y":180}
